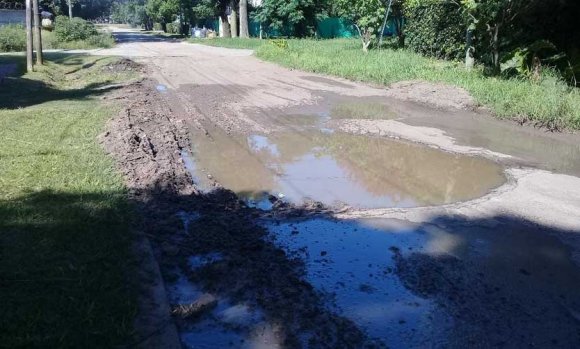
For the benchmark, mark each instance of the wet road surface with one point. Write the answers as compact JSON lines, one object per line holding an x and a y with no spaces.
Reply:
{"x":457,"y":236}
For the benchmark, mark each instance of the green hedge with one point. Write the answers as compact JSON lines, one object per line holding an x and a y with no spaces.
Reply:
{"x":12,"y":38}
{"x":73,"y":29}
{"x":436,"y":30}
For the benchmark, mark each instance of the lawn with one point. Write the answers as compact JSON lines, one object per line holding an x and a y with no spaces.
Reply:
{"x":64,"y":215}
{"x":549,"y":102}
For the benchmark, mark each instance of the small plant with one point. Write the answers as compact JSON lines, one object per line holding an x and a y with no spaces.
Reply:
{"x":280,"y":43}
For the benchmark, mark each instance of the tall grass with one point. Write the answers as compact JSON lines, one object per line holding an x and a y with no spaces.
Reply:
{"x":13,"y":39}
{"x":548,"y":102}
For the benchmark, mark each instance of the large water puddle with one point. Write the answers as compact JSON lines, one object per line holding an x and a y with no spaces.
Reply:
{"x":352,"y":263}
{"x":337,"y":168}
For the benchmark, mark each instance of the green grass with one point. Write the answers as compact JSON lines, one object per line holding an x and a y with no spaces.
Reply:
{"x":102,"y":40}
{"x":13,"y":39}
{"x":549,"y":102}
{"x":251,"y":43}
{"x":64,"y":216}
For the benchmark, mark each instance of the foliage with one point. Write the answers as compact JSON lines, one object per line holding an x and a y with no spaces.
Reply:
{"x":435,"y":28}
{"x":162,"y":11}
{"x":527,"y":61}
{"x":74,"y":29}
{"x":130,"y":12}
{"x":290,"y":16}
{"x":367,"y":16}
{"x":173,"y":28}
{"x":12,"y":38}
{"x":88,"y":9}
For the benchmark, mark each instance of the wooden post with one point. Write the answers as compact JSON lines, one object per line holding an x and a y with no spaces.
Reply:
{"x":37,"y":33}
{"x":29,"y":35}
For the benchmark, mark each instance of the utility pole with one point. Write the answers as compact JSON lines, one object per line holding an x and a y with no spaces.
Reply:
{"x":29,"y":36}
{"x":37,"y":32}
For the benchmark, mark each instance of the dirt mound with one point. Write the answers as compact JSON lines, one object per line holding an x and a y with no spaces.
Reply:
{"x":436,"y":94}
{"x":123,"y":65}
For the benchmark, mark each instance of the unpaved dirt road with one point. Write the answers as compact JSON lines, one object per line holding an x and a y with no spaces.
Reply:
{"x":289,"y":209}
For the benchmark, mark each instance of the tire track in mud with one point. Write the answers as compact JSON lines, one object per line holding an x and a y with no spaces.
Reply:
{"x":146,"y":140}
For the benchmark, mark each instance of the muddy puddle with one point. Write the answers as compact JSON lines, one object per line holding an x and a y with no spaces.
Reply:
{"x":417,"y":286}
{"x":339,"y":169}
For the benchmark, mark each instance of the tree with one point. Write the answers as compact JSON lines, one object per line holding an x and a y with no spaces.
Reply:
{"x":492,"y":17}
{"x":162,"y":11}
{"x":244,"y":32}
{"x":37,"y":32}
{"x":290,"y":17}
{"x":366,"y":15}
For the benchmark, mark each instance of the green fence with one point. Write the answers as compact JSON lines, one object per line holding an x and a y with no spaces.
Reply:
{"x":328,"y":28}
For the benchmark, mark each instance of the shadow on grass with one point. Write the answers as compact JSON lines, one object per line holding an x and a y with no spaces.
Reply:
{"x":18,"y":91}
{"x":63,"y":266}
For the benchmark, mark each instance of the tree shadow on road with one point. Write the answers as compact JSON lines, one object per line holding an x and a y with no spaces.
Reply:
{"x":503,"y":280}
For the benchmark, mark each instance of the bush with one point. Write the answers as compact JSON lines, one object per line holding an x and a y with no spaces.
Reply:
{"x":173,"y":28}
{"x":12,"y":38}
{"x":436,"y":29}
{"x":157,"y":26}
{"x":73,"y":29}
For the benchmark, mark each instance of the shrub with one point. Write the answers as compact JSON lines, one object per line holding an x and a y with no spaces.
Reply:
{"x":173,"y":28}
{"x":73,"y":29}
{"x":12,"y":38}
{"x":436,"y":29}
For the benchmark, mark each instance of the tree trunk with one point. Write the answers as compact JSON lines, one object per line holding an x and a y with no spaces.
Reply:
{"x":469,"y":60}
{"x":244,"y":31}
{"x":226,"y":32}
{"x":37,"y":33}
{"x":400,"y":33}
{"x":69,"y":2}
{"x":385,"y":23}
{"x":495,"y":49}
{"x":29,"y":35}
{"x":234,"y":21}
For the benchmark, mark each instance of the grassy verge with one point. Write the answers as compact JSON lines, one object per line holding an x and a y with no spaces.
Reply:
{"x":251,"y":44}
{"x":549,"y":102}
{"x":102,"y":40}
{"x":64,"y":217}
{"x":13,"y":39}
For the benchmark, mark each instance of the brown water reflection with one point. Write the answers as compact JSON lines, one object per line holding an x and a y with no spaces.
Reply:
{"x":340,"y":168}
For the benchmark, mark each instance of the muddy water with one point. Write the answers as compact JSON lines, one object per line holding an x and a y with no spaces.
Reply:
{"x":551,"y":151}
{"x":337,"y":168}
{"x":352,"y":263}
{"x":444,"y":283}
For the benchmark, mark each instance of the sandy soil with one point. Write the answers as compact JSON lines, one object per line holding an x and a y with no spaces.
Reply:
{"x":191,"y":89}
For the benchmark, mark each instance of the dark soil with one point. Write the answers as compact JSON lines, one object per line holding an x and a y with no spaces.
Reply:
{"x":146,"y":140}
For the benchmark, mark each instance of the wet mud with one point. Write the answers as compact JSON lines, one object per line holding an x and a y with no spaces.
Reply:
{"x":239,"y":202}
